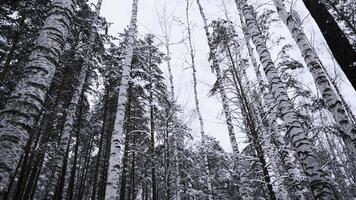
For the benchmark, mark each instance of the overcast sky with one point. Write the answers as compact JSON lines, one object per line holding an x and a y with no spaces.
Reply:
{"x":118,"y":12}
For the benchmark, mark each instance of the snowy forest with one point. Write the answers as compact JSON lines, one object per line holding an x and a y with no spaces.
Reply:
{"x":177,"y":99}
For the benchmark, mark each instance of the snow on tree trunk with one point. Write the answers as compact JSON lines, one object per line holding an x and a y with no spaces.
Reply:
{"x":295,"y":192}
{"x":26,"y":101}
{"x":319,"y":184}
{"x":113,"y":177}
{"x":70,"y":116}
{"x":197,"y":107}
{"x":347,"y":129}
{"x":226,"y":108}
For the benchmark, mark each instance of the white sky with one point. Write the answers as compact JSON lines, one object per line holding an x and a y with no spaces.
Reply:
{"x":118,"y":12}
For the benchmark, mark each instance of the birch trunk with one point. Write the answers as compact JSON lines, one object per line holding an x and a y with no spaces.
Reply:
{"x":26,"y":101}
{"x":197,"y":107}
{"x":347,"y":129}
{"x":320,"y":186}
{"x":295,"y":192}
{"x":226,"y":108}
{"x":112,"y":185}
{"x":77,"y":95}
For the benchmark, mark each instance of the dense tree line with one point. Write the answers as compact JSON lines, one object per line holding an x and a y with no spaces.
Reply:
{"x":88,"y":115}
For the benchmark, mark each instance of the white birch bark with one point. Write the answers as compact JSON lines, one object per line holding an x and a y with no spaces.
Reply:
{"x":113,"y":174}
{"x":226,"y":108}
{"x":295,"y":192}
{"x":197,"y":107}
{"x":57,"y":162}
{"x":26,"y":101}
{"x":347,"y":129}
{"x":319,"y":184}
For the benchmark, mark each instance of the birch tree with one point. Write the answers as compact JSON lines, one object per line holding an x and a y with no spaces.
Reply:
{"x":319,"y":184}
{"x":166,"y":26}
{"x":348,"y":131}
{"x":226,"y":108}
{"x":197,"y":107}
{"x":78,"y":93}
{"x":25,"y":103}
{"x":112,"y":185}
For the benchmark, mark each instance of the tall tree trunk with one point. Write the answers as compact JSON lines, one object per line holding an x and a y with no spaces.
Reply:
{"x":338,"y":43}
{"x":7,"y":67}
{"x":26,"y":101}
{"x":347,"y":129}
{"x":295,"y":192}
{"x":152,"y":132}
{"x":197,"y":107}
{"x":226,"y":109}
{"x":251,"y":124}
{"x":57,"y":160}
{"x":78,"y":92}
{"x":71,"y":184}
{"x":112,"y":187}
{"x":320,"y":185}
{"x":62,"y":176}
{"x":86,"y":170}
{"x":105,"y":165}
{"x":101,"y":140}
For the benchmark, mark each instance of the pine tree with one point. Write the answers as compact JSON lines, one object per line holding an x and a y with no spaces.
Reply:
{"x":197,"y":107}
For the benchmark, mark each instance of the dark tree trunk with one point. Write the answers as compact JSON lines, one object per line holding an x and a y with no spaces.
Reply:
{"x":342,"y":16}
{"x":7,"y":67}
{"x":70,"y":191}
{"x":98,"y":157}
{"x":250,"y":124}
{"x":83,"y":177}
{"x":335,"y":37}
{"x":60,"y":184}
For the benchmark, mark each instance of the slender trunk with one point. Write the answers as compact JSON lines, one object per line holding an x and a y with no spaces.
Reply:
{"x":197,"y":107}
{"x":152,"y":142}
{"x":347,"y":129}
{"x":132,"y":185}
{"x":101,"y":140}
{"x":26,"y":101}
{"x":7,"y":67}
{"x":295,"y":191}
{"x":320,"y":185}
{"x":338,"y":43}
{"x":175,"y":139}
{"x":110,"y":127}
{"x":251,"y":124}
{"x":60,"y":184}
{"x":71,"y":184}
{"x":112,"y":186}
{"x":226,"y":108}
{"x":83,"y":177}
{"x":124,"y":169}
{"x":167,"y":161}
{"x":342,"y":16}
